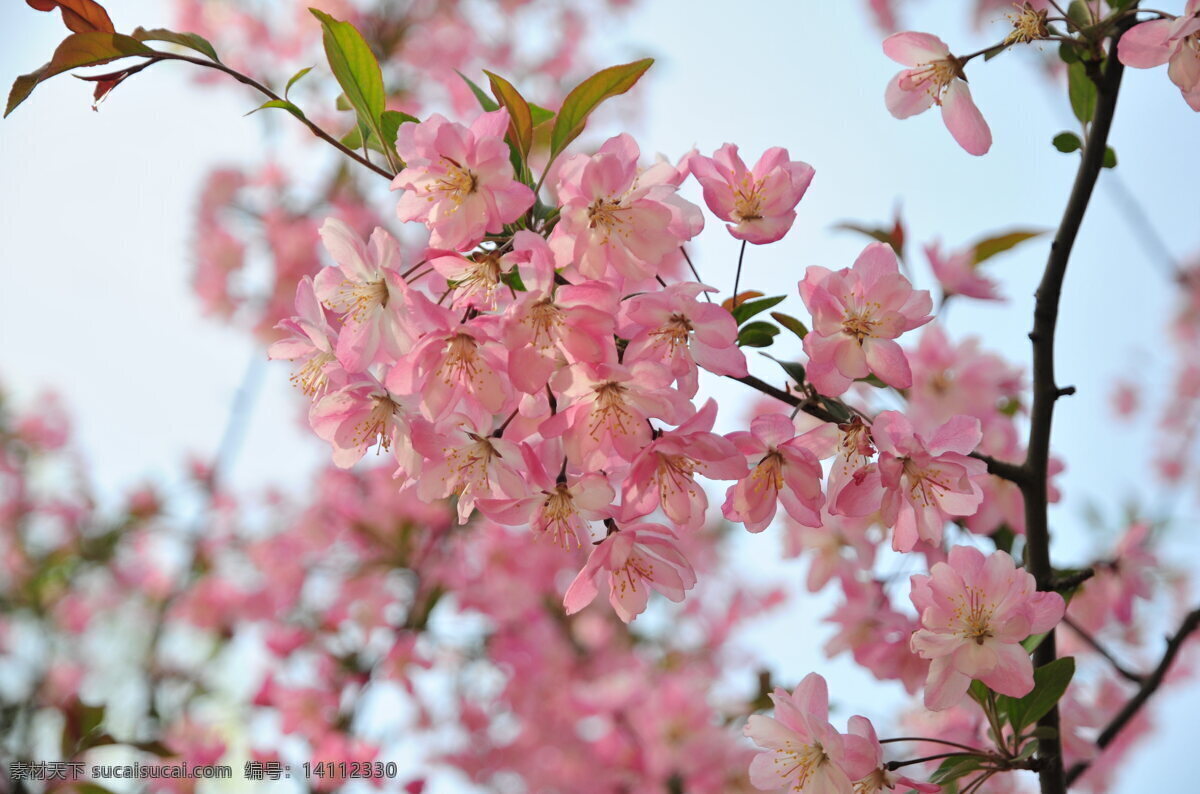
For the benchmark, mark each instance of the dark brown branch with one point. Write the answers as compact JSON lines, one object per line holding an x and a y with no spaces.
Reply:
{"x":1148,"y":688}
{"x":1046,"y":391}
{"x":1100,"y":649}
{"x":262,"y":89}
{"x":1007,"y":471}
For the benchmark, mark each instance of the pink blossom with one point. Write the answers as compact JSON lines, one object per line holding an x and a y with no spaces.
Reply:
{"x":925,"y":482}
{"x":858,"y":312}
{"x":458,"y":181}
{"x":803,"y":751}
{"x":975,"y":611}
{"x":610,"y":404}
{"x":463,"y":458}
{"x":366,"y":290}
{"x":311,"y":342}
{"x":635,"y":558}
{"x":617,"y":220}
{"x":664,"y":473}
{"x":673,"y":328}
{"x":786,"y":469}
{"x":557,"y":507}
{"x":1174,"y":41}
{"x":454,"y":365}
{"x":358,"y":416}
{"x":959,"y":274}
{"x":760,"y":204}
{"x":936,"y":77}
{"x":880,"y":777}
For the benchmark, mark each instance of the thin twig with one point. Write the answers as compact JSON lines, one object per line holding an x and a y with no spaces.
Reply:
{"x":1148,"y":688}
{"x":1046,"y":392}
{"x":262,"y":89}
{"x":1087,"y":637}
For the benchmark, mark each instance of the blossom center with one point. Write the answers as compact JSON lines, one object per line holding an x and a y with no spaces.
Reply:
{"x":800,"y":762}
{"x":747,"y":200}
{"x":605,"y":216}
{"x":312,"y":378}
{"x":462,"y":359}
{"x":924,"y":485}
{"x":354,"y":300}
{"x":860,"y":323}
{"x":934,"y":76}
{"x":471,"y":462}
{"x":377,"y":426}
{"x":457,"y":182}
{"x":610,"y":410}
{"x":544,"y":317}
{"x":675,"y":331}
{"x":558,"y":510}
{"x":974,"y":613}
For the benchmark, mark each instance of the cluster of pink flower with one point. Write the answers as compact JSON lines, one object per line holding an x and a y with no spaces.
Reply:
{"x":255,"y":234}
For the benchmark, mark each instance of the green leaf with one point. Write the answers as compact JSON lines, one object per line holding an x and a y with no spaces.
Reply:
{"x":1003,"y":538}
{"x":1068,"y":53}
{"x":1082,"y":92}
{"x":888,"y":236}
{"x":994,"y":51}
{"x":295,"y":79}
{"x":872,"y":380}
{"x":1079,"y":13}
{"x":282,"y":104}
{"x":1050,"y":681}
{"x":1067,"y":142}
{"x":987,"y":248}
{"x":757,"y":334}
{"x":955,"y":768}
{"x":540,"y":114}
{"x":78,"y":49}
{"x":190,"y":40}
{"x":585,"y":97}
{"x":513,"y":279}
{"x":744,"y":311}
{"x":794,"y":369}
{"x":486,"y":102}
{"x":791,"y":323}
{"x":357,"y":72}
{"x":390,"y":123}
{"x":520,"y":117}
{"x":1031,"y":643}
{"x":978,"y":692}
{"x":1110,"y":158}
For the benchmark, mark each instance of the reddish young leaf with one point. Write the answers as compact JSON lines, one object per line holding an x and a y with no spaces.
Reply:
{"x":80,"y":16}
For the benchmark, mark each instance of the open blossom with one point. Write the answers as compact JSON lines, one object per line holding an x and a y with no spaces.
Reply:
{"x":664,"y":473}
{"x":366,"y":290}
{"x":880,"y":778}
{"x":610,"y":406}
{"x":760,"y":204}
{"x":463,"y":458}
{"x":858,"y":312}
{"x":458,"y":180}
{"x":672,"y":327}
{"x":617,"y":219}
{"x":975,"y":611}
{"x":311,"y":341}
{"x":454,"y":364}
{"x":1174,"y":41}
{"x":560,"y":508}
{"x":924,"y":482}
{"x":358,"y":416}
{"x":635,"y":559}
{"x":803,"y":751}
{"x":786,"y":469}
{"x":935,"y":78}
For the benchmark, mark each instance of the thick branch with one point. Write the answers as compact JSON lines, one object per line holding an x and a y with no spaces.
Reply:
{"x":262,"y":89}
{"x":1046,"y":390}
{"x":1153,"y":681}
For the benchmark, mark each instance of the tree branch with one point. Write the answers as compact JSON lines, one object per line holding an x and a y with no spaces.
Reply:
{"x":1148,"y":688}
{"x":1046,"y":390}
{"x":262,"y":89}
{"x":1120,"y":669}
